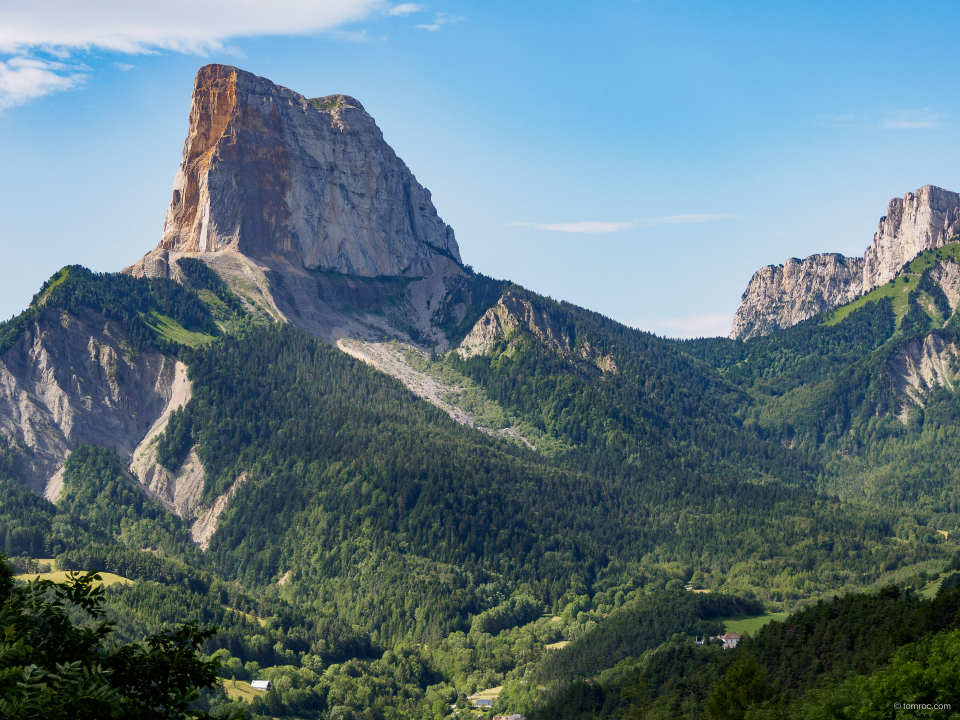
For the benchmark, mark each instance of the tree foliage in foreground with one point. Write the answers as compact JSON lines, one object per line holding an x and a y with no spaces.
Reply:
{"x":53,"y":667}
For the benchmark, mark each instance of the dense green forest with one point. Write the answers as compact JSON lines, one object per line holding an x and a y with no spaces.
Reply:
{"x":813,"y":664}
{"x":381,"y":560}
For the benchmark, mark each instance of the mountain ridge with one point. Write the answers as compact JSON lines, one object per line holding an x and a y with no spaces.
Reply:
{"x":779,"y":296}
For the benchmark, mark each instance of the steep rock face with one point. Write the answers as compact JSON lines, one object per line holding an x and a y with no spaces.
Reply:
{"x":923,"y":364}
{"x":178,"y":491}
{"x":781,"y":296}
{"x":273,"y":175}
{"x":947,"y":275}
{"x":919,"y":221}
{"x":67,"y":381}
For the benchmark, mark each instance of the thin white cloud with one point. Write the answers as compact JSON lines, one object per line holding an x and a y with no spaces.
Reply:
{"x":61,"y":28}
{"x":913,"y":120}
{"x":847,"y":119}
{"x":440,"y":20}
{"x":709,"y":325}
{"x":403,"y":9}
{"x":690,"y":218}
{"x":26,"y":78}
{"x":124,"y":66}
{"x":902,"y":120}
{"x":586,"y":226}
{"x":597,"y":226}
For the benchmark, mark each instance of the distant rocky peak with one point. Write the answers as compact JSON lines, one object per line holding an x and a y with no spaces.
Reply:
{"x":919,"y":221}
{"x":779,"y":296}
{"x":513,"y":312}
{"x":273,"y":175}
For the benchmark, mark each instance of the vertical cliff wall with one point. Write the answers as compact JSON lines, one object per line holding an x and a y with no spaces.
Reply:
{"x":779,"y":296}
{"x":270,"y":174}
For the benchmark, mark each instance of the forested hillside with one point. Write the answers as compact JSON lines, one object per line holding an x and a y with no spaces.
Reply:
{"x":868,"y":389}
{"x":382,"y":559}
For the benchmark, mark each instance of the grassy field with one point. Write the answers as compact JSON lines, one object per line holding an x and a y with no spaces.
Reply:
{"x":172,"y":330}
{"x":930,"y":589}
{"x":898,"y":291}
{"x":240,"y":690}
{"x":59,"y":576}
{"x":749,"y":624}
{"x":929,"y":258}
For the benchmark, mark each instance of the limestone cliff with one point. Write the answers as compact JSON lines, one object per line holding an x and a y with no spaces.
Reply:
{"x":304,"y":210}
{"x":274,"y":175}
{"x":920,"y":221}
{"x":779,"y":296}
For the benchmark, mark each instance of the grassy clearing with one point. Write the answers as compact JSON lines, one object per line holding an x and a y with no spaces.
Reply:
{"x":557,"y":645}
{"x":172,"y":330}
{"x":57,"y":279}
{"x":59,"y":576}
{"x":901,"y":286}
{"x":929,"y":258}
{"x":749,"y":624}
{"x":898,"y":291}
{"x":241,"y":690}
{"x":930,"y":589}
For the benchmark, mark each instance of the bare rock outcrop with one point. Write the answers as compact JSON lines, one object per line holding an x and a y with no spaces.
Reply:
{"x":946,"y":274}
{"x":68,"y":381}
{"x":512,"y":312}
{"x":923,"y":364}
{"x":271,"y":174}
{"x":180,"y":489}
{"x":205,"y":525}
{"x":919,"y":221}
{"x":305,"y":211}
{"x":779,"y":296}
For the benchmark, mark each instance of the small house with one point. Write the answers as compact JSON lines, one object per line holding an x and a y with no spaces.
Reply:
{"x":260,"y":684}
{"x":483,"y":702}
{"x":730,"y":640}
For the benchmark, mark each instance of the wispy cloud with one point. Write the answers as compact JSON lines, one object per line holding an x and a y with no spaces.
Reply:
{"x":923,"y":119}
{"x":26,"y":78}
{"x":403,"y":9}
{"x":124,"y":66}
{"x":585,"y":226}
{"x":710,"y":325}
{"x":913,"y":120}
{"x":34,"y":34}
{"x":683,"y":219}
{"x":600,"y":226}
{"x":439,"y":21}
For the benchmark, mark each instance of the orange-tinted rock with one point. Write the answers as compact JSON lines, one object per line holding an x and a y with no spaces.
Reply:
{"x":272,"y":175}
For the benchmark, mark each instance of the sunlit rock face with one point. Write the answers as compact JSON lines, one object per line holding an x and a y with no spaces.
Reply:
{"x":779,"y":296}
{"x":273,"y":175}
{"x":919,"y":221}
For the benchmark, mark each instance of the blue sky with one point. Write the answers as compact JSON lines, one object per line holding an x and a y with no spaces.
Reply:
{"x":641,"y":159}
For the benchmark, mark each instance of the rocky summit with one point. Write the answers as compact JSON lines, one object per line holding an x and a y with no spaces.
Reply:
{"x":780,"y":296}
{"x":307,"y":213}
{"x":273,"y":175}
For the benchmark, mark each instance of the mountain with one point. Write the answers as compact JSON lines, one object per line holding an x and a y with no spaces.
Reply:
{"x":780,"y":296}
{"x":391,"y":490}
{"x":278,"y":192}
